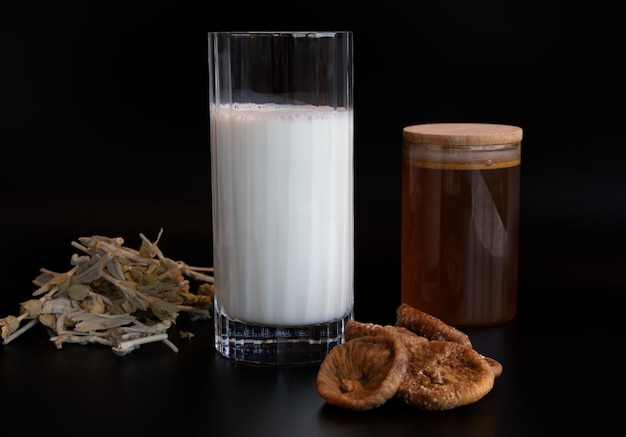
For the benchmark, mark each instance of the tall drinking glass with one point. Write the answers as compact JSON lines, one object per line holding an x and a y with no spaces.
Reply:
{"x":281,"y":134}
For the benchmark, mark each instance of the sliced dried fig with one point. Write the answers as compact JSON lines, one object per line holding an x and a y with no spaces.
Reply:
{"x":443,"y":375}
{"x":363,"y":373}
{"x":429,"y":326}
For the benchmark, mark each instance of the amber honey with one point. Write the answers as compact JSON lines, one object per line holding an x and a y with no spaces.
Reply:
{"x":460,"y":221}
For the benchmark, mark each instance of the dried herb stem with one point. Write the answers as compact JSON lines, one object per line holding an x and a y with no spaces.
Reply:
{"x":20,"y":331}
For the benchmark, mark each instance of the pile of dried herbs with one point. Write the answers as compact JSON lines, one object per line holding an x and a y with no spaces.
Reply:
{"x":114,"y":296}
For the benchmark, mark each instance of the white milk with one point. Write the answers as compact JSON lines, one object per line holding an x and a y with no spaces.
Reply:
{"x":283,"y":213}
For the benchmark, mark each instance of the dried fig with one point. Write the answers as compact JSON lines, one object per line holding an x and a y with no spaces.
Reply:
{"x":356,"y":329}
{"x":495,"y":365}
{"x":443,"y":375}
{"x":363,"y":373}
{"x":429,"y":326}
{"x":443,"y":370}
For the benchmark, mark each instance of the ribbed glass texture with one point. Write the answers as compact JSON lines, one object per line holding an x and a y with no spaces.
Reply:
{"x":281,"y":132}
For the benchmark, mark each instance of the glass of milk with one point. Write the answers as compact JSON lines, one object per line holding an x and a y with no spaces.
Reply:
{"x":281,"y":137}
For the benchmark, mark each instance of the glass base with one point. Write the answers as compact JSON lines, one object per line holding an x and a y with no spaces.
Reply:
{"x":277,"y":345}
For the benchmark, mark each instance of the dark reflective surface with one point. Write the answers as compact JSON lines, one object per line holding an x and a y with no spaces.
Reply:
{"x":557,"y":354}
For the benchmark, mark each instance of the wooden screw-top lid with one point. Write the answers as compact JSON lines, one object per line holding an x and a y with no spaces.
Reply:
{"x":462,"y":134}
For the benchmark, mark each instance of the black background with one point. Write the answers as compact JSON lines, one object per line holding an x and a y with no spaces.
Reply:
{"x":104,"y":123}
{"x":103,"y":130}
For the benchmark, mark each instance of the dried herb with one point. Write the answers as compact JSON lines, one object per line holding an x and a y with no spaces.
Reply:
{"x":114,"y":296}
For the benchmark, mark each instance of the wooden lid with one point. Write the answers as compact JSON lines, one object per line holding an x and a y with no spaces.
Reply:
{"x":462,"y":134}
